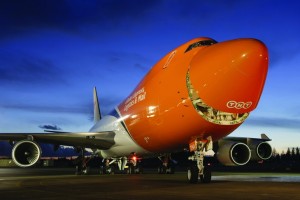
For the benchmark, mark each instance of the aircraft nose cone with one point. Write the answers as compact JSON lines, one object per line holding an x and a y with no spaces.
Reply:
{"x":230,"y":76}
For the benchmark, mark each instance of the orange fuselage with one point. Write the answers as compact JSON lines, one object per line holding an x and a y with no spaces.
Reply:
{"x":200,"y":89}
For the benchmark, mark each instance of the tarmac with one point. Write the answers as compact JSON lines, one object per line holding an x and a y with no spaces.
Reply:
{"x":61,"y":183}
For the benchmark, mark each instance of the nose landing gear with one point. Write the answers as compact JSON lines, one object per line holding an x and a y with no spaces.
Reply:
{"x":197,"y":169}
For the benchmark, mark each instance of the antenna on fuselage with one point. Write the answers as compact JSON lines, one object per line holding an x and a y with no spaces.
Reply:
{"x":97,"y":113}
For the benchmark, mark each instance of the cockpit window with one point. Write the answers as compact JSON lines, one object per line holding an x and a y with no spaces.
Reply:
{"x":200,"y":43}
{"x":211,"y":114}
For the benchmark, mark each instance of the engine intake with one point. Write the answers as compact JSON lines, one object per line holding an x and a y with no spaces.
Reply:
{"x":260,"y":150}
{"x":232,"y":153}
{"x":26,"y":153}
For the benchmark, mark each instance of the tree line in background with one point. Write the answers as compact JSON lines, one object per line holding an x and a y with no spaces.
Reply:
{"x":288,"y":160}
{"x":289,"y":154}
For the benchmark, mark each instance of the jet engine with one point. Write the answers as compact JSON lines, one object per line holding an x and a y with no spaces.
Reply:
{"x":232,"y":153}
{"x":26,"y":153}
{"x":259,"y":150}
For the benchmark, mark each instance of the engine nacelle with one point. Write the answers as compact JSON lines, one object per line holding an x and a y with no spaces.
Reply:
{"x":231,"y":153}
{"x":259,"y":150}
{"x":26,"y":153}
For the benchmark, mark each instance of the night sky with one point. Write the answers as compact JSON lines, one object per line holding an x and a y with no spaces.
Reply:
{"x":53,"y":52}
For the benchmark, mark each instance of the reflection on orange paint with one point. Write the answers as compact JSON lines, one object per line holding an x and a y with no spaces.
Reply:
{"x":227,"y":77}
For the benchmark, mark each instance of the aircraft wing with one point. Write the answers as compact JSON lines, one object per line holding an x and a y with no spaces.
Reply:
{"x":264,"y":138}
{"x":100,"y":140}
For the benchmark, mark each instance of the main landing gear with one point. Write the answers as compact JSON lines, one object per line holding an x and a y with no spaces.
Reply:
{"x":197,"y":169}
{"x":124,"y":165}
{"x":108,"y":167}
{"x":167,"y":164}
{"x":81,"y":163}
{"x":134,"y":165}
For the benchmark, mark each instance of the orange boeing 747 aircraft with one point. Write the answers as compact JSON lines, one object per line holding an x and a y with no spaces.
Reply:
{"x":192,"y":98}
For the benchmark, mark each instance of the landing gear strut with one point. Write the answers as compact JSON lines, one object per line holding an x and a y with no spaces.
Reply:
{"x":81,"y":163}
{"x":197,"y":169}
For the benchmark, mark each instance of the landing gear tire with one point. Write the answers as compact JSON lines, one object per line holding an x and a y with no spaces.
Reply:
{"x":111,"y":170}
{"x":82,"y":170}
{"x":139,"y":170}
{"x":171,"y":170}
{"x":86,"y":171}
{"x":159,"y":170}
{"x":193,"y":174}
{"x":107,"y":170}
{"x":101,"y":170}
{"x":78,"y":171}
{"x":162,"y":170}
{"x":206,"y":176}
{"x":131,"y":169}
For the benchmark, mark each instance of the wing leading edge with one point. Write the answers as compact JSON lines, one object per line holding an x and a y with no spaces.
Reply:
{"x":100,"y":140}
